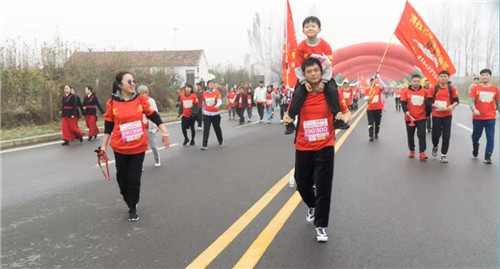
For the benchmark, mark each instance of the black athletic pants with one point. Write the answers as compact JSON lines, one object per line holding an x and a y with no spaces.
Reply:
{"x":260,"y":109}
{"x":241,"y":113}
{"x":128,"y":175}
{"x":410,"y":131}
{"x":207,"y":121}
{"x":441,"y":125}
{"x":316,"y":168}
{"x":186,"y":123}
{"x":374,"y":117}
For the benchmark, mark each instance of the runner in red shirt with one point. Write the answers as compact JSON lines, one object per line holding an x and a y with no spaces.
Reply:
{"x":230,"y":103}
{"x":413,"y":104}
{"x":397,"y":98}
{"x":443,"y":99}
{"x":314,"y":155}
{"x":347,"y":94}
{"x":374,"y":109}
{"x":355,"y":97}
{"x":241,"y":104}
{"x":188,"y":109}
{"x":123,"y":126}
{"x":484,"y":103}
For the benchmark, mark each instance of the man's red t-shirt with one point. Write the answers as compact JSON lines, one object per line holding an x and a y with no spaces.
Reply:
{"x":187,"y":103}
{"x":442,"y":100}
{"x":315,"y":130}
{"x":485,"y":101}
{"x":415,"y":101}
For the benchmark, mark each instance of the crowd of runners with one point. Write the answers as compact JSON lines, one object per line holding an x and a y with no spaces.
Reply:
{"x":312,"y":110}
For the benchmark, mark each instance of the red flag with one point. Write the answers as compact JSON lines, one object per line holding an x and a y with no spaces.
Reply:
{"x":418,"y":38}
{"x":289,"y":48}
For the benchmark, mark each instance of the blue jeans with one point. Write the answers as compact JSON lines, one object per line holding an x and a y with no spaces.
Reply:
{"x":477,"y":132}
{"x":270,"y":111}
{"x":249,"y":112}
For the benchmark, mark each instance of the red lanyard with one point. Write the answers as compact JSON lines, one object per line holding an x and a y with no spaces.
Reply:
{"x":102,"y":156}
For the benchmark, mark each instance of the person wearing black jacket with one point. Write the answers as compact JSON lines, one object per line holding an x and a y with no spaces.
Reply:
{"x":78,"y":103}
{"x":199,"y":93}
{"x":90,"y":103}
{"x":69,"y":120}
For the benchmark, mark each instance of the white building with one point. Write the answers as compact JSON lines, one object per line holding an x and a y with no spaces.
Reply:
{"x":189,"y":66}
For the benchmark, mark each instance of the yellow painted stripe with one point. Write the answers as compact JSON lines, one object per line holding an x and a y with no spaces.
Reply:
{"x":207,"y":256}
{"x":259,"y":246}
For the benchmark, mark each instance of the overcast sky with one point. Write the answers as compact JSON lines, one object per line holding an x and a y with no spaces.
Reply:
{"x":217,"y":26}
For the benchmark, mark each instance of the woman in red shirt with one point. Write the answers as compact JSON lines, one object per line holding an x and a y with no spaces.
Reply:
{"x":123,"y":127}
{"x":188,"y":109}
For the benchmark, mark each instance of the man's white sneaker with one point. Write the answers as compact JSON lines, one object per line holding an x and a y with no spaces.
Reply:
{"x":310,"y":214}
{"x":158,"y":163}
{"x":321,"y":235}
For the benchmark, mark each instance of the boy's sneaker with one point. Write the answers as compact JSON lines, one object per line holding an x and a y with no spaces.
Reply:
{"x":412,"y":154}
{"x":192,"y":142}
{"x":321,"y":235}
{"x":423,"y":156}
{"x":475,"y":150}
{"x":132,"y":216}
{"x":487,"y":158}
{"x":444,"y":159}
{"x":434,"y":151}
{"x":310,"y":214}
{"x":340,"y":124}
{"x":185,"y":144}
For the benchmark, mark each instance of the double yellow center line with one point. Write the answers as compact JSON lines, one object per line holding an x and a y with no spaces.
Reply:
{"x":259,"y":246}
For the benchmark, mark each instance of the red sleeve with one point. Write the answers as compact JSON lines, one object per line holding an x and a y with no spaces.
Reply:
{"x":328,"y":51}
{"x":108,"y":116}
{"x":472,"y":93}
{"x":497,"y":98}
{"x":146,"y":106}
{"x":454,"y":92}
{"x":299,"y":54}
{"x":403,"y":96}
{"x":343,"y":105}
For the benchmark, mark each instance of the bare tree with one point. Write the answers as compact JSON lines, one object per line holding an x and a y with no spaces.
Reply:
{"x":492,"y":36}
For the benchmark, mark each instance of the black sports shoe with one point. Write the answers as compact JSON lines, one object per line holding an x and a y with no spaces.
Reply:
{"x":290,"y":128}
{"x":487,"y":158}
{"x":132,"y":216}
{"x":186,"y":141}
{"x":80,"y":139}
{"x":95,"y":137}
{"x":65,"y":143}
{"x":376,"y":136}
{"x":435,"y":151}
{"x":371,"y":138}
{"x":340,"y":124}
{"x":475,"y":150}
{"x":90,"y":138}
{"x":192,"y":142}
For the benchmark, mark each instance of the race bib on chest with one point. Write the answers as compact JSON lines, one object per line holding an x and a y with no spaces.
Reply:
{"x":375,"y":99}
{"x":441,"y":105}
{"x":347,"y":95}
{"x":188,"y":104}
{"x":269,"y":102}
{"x":417,"y":100}
{"x":232,"y":100}
{"x":486,"y":97}
{"x":316,"y":130}
{"x":210,"y":101}
{"x":131,"y":131}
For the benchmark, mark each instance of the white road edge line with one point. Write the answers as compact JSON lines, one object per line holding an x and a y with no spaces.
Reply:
{"x":149,"y":151}
{"x":248,"y":124}
{"x":465,"y":127}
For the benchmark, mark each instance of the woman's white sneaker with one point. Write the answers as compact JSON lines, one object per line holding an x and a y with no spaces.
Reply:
{"x":310,"y":214}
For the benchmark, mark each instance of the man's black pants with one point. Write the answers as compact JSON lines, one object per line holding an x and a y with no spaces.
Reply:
{"x":207,"y":121}
{"x":410,"y":131}
{"x":441,"y":125}
{"x":316,"y":168}
{"x":374,"y":117}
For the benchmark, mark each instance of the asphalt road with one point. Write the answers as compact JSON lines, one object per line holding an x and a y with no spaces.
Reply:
{"x":388,"y":211}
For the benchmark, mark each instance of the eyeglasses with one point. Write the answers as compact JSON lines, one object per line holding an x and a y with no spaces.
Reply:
{"x":130,"y":82}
